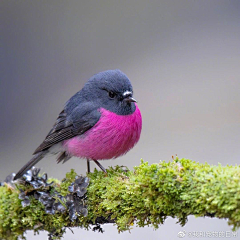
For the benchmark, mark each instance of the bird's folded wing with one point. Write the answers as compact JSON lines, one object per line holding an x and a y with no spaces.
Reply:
{"x":81,"y":119}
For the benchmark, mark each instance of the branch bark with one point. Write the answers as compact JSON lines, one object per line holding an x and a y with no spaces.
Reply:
{"x":145,"y":196}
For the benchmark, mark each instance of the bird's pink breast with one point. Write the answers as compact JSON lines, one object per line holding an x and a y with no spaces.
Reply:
{"x":112,"y":136}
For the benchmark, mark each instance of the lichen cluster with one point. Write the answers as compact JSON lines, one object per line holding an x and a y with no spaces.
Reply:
{"x":145,"y":196}
{"x":54,"y":200}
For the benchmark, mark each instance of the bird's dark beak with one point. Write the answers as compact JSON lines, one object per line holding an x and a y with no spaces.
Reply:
{"x":130,"y":99}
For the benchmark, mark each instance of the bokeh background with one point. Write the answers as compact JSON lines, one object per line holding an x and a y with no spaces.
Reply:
{"x":182,"y":57}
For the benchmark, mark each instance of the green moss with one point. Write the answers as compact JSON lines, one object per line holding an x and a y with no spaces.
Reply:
{"x":145,"y":196}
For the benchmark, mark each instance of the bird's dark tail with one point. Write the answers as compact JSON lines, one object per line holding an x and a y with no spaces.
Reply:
{"x":36,"y":158}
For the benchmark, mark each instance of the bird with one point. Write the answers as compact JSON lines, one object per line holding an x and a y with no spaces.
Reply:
{"x":101,"y":121}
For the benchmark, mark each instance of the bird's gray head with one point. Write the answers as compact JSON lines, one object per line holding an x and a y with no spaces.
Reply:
{"x":111,"y":90}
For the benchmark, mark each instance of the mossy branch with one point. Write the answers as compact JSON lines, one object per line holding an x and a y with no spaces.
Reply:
{"x":145,"y":196}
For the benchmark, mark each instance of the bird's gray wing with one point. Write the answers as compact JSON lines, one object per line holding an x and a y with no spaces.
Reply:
{"x":81,"y":119}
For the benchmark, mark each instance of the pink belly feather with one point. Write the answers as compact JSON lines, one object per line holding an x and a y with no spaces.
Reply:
{"x":112,"y":136}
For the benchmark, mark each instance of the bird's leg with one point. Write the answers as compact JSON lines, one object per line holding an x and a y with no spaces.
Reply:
{"x":102,"y":168}
{"x":88,"y":166}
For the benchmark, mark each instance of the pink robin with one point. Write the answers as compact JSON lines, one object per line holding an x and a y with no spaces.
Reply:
{"x":101,"y":121}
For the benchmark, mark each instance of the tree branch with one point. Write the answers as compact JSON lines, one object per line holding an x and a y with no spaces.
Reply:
{"x":145,"y":196}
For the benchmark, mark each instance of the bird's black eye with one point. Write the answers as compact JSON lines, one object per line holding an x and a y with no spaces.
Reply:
{"x":111,"y":94}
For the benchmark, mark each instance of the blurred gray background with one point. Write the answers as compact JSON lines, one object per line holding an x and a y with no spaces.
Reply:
{"x":182,"y":57}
